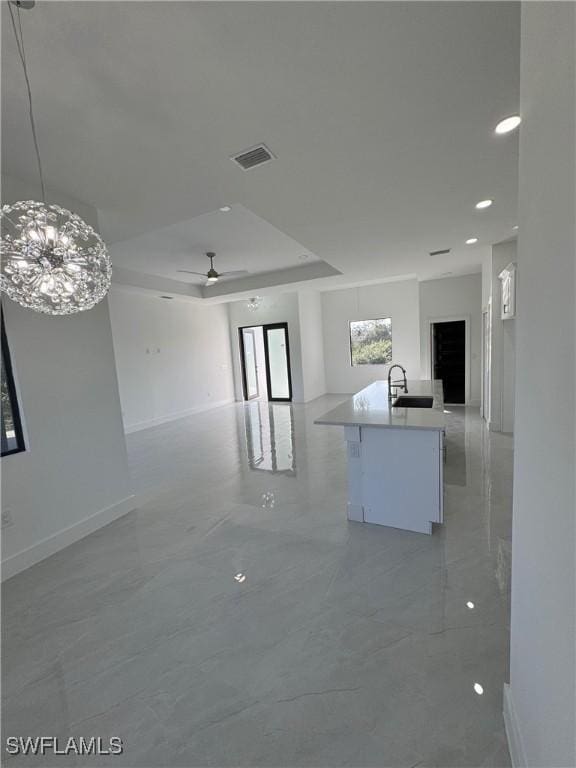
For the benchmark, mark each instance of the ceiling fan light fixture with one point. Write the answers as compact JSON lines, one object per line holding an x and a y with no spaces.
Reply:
{"x":212,"y":275}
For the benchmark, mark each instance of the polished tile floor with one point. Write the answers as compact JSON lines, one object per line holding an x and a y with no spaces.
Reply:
{"x":238,"y":619}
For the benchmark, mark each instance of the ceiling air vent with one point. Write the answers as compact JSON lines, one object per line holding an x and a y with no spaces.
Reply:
{"x":441,"y":252}
{"x":253,"y":157}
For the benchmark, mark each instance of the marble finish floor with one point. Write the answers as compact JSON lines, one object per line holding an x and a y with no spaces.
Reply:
{"x":237,"y":619}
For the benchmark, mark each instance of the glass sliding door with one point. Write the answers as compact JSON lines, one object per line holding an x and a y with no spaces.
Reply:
{"x":277,"y":353}
{"x":249,"y":366}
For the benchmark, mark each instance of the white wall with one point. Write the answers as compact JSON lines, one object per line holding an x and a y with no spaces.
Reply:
{"x":173,"y":357}
{"x":398,"y":300}
{"x":486,"y":278}
{"x":312,"y":338}
{"x":73,"y":477}
{"x":540,"y":704}
{"x":280,"y":308}
{"x":459,"y":297}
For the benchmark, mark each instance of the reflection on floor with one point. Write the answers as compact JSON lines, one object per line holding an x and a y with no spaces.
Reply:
{"x":269,"y":433}
{"x":455,"y":445}
{"x":238,"y":619}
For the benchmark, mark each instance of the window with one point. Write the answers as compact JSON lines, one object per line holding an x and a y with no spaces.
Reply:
{"x":12,"y":438}
{"x":371,"y":341}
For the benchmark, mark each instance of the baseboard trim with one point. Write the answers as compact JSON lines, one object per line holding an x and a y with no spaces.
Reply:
{"x":50,"y":545}
{"x":315,"y":397}
{"x":515,"y":746}
{"x":140,"y":425}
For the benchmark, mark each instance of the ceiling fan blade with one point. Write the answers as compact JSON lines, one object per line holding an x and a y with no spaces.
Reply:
{"x":234,"y":272}
{"x":189,"y":272}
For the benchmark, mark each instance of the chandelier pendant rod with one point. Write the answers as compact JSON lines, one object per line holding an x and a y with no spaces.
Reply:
{"x":22,"y":53}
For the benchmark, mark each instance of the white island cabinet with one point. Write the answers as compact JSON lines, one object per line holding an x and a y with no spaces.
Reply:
{"x":395,"y":456}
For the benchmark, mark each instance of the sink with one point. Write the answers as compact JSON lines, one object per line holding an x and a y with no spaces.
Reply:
{"x":413,"y":401}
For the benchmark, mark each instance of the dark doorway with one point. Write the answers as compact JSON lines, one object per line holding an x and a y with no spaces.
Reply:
{"x":449,"y":359}
{"x":275,"y":365}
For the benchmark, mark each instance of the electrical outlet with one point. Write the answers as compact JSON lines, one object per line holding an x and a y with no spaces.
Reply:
{"x":7,"y":519}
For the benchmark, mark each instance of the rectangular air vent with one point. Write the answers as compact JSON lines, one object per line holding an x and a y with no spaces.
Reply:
{"x":441,"y":252}
{"x":253,"y":157}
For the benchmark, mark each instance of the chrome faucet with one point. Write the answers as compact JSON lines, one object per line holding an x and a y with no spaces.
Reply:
{"x":396,"y":384}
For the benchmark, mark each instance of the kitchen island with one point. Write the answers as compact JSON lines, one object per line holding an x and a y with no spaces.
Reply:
{"x":395,"y":456}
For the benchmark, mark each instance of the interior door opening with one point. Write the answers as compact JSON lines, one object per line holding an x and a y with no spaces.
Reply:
{"x":449,"y":359}
{"x":265,"y":362}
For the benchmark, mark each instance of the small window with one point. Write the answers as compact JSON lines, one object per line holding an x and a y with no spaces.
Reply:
{"x":12,"y":437}
{"x":371,"y":341}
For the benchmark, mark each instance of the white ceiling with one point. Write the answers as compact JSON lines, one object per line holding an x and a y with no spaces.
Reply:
{"x":381,"y":116}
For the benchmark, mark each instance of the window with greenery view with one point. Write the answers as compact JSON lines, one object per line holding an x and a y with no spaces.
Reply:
{"x":11,"y":436}
{"x":371,"y":341}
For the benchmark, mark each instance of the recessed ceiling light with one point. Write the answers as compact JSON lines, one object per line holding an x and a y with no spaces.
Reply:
{"x":483,"y":204}
{"x":508,"y":124}
{"x":471,"y":240}
{"x":304,"y":257}
{"x":478,"y":689}
{"x":515,"y":227}
{"x":470,"y":605}
{"x":225,"y":208}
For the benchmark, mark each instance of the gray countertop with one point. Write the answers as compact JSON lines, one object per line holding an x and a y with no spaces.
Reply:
{"x":370,"y":408}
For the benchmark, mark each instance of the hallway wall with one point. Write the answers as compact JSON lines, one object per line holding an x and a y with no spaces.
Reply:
{"x":312,"y":337}
{"x":453,"y":297}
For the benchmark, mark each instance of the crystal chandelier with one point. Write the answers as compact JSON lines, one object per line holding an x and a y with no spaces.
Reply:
{"x":52,"y":261}
{"x":254,"y":303}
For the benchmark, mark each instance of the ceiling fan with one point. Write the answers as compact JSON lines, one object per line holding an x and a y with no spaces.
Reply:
{"x":212,"y":276}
